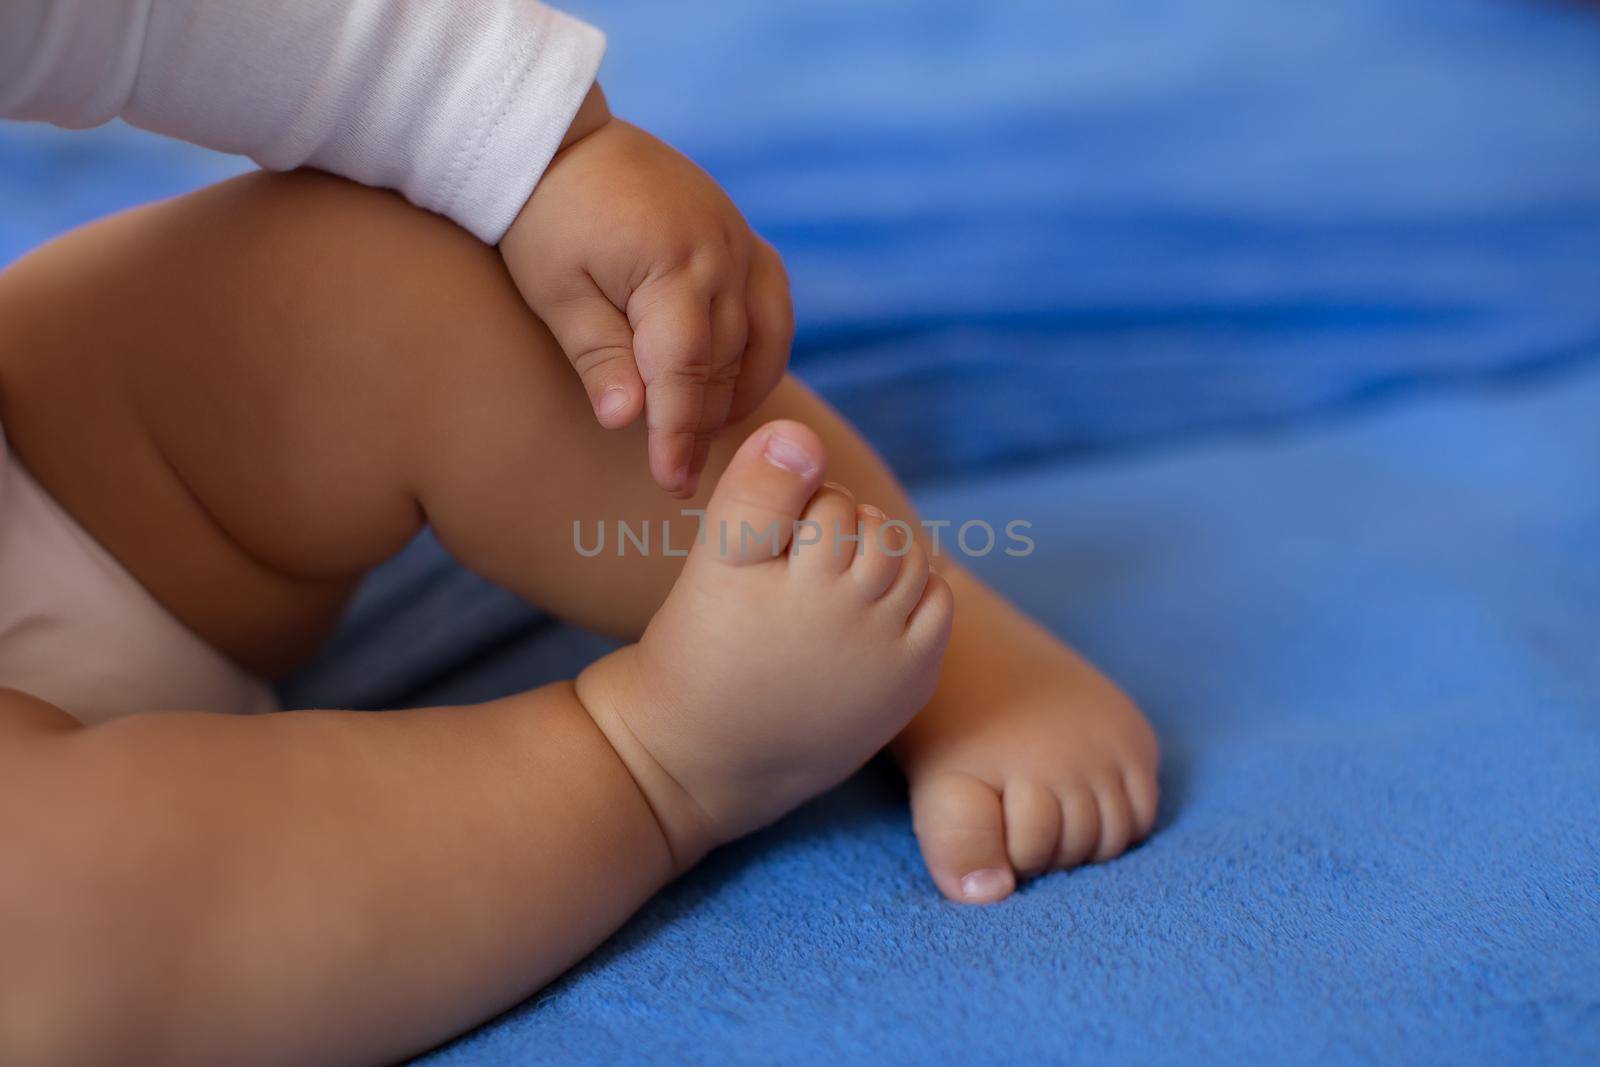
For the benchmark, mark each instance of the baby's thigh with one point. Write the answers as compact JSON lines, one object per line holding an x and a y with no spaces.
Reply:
{"x":79,"y":631}
{"x":134,"y":391}
{"x":244,"y":393}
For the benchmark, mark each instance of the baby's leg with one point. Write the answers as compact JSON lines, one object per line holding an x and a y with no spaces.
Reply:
{"x":326,"y":886}
{"x":346,"y":887}
{"x":1026,"y":758}
{"x":304,"y":887}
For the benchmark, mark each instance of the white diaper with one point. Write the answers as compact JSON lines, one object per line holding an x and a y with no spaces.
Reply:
{"x":78,"y":630}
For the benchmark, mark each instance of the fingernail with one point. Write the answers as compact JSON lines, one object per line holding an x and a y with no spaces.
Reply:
{"x":612,"y":401}
{"x":875,"y":512}
{"x":989,"y":884}
{"x":786,"y":455}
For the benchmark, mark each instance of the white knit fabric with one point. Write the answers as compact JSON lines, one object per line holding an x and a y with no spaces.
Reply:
{"x":79,"y":631}
{"x":458,"y":104}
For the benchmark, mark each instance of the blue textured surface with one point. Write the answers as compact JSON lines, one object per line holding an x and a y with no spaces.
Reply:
{"x":1021,"y":228}
{"x":1373,"y":654}
{"x":1371,"y":644}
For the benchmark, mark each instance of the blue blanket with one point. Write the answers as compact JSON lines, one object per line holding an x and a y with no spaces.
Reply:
{"x":1026,"y":228}
{"x":1372,"y":651}
{"x":1020,"y":230}
{"x":1369,"y":631}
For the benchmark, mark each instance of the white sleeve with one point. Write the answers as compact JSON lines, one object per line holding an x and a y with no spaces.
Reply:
{"x":458,"y":104}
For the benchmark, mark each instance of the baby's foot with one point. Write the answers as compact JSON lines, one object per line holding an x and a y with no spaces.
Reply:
{"x":1027,"y":760}
{"x":775,"y":668}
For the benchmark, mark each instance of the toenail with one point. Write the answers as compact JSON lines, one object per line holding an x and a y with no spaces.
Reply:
{"x":786,"y":455}
{"x":988,"y":884}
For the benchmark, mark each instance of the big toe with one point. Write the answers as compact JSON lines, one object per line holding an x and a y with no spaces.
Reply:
{"x":751,"y":515}
{"x":960,"y":825}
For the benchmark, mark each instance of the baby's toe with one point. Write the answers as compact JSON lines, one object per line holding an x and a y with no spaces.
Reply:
{"x":824,"y":539}
{"x":751,"y":515}
{"x":1080,"y":826}
{"x":1033,"y":826}
{"x":905,"y":593}
{"x":875,"y":569}
{"x":1144,"y":796}
{"x":960,"y":825}
{"x":928,"y":628}
{"x":1116,"y":820}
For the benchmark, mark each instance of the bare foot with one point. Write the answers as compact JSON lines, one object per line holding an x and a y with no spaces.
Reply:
{"x":776,"y":666}
{"x":1027,"y":760}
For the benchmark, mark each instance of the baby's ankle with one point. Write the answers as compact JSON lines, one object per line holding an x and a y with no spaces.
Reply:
{"x":609,"y":690}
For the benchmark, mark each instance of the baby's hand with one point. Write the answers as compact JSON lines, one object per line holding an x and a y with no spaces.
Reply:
{"x":655,"y":287}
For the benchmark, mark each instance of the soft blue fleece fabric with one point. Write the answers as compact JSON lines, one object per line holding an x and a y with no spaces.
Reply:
{"x":1372,"y":650}
{"x":1017,"y":229}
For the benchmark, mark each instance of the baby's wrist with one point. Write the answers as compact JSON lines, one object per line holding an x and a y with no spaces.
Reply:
{"x":593,"y":114}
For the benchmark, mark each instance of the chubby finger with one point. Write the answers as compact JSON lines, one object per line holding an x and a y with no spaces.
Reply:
{"x":598,"y":341}
{"x":770,"y":314}
{"x":729,"y":330}
{"x":672,"y":347}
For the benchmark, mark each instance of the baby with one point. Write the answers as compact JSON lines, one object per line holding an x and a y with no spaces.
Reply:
{"x":221,"y":411}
